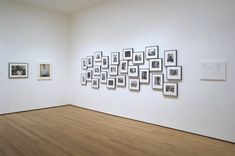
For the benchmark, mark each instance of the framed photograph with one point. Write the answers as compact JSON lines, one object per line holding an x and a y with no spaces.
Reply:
{"x":127,"y":53}
{"x":155,"y":65}
{"x":89,"y":61}
{"x":170,"y":89}
{"x":96,"y":71}
{"x":44,"y":71}
{"x":157,"y":81}
{"x":84,"y":63}
{"x":144,"y":75}
{"x":113,"y":70}
{"x":105,"y":62}
{"x":174,"y":73}
{"x":170,"y":57}
{"x":88,"y":75}
{"x":95,"y":83}
{"x":134,"y":84}
{"x":138,"y":57}
{"x":115,"y":58}
{"x":111,"y":83}
{"x":98,"y":56}
{"x":83,"y":79}
{"x":103,"y":77}
{"x":123,"y":67}
{"x":152,"y":52}
{"x":121,"y":81}
{"x":133,"y":71}
{"x":18,"y":70}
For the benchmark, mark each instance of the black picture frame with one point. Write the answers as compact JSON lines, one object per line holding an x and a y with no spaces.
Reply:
{"x":138,"y":58}
{"x":170,"y":89}
{"x":89,"y":61}
{"x":98,"y":56}
{"x":95,"y":83}
{"x":155,"y":65}
{"x":157,"y":81}
{"x":134,"y":84}
{"x":133,"y":71}
{"x":115,"y":58}
{"x":111,"y":83}
{"x":144,"y":75}
{"x":152,"y":52}
{"x":174,"y":73}
{"x":127,"y":53}
{"x":121,"y":81}
{"x":105,"y":62}
{"x":18,"y":70}
{"x":170,"y":58}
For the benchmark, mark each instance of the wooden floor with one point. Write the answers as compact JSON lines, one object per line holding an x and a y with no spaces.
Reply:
{"x":70,"y":130}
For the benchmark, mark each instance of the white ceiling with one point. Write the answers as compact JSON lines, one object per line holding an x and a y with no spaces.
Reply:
{"x":65,"y":6}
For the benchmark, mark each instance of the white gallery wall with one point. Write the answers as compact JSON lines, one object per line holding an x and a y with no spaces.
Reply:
{"x":199,"y":30}
{"x":32,"y":35}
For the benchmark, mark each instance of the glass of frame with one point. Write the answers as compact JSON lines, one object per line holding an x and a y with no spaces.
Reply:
{"x":127,"y":53}
{"x":144,"y":76}
{"x":121,"y":81}
{"x":170,"y":89}
{"x":170,"y":57}
{"x":123,"y":66}
{"x":44,"y":71}
{"x":98,"y":56}
{"x":113,"y":70}
{"x":157,"y":81}
{"x":103,"y":77}
{"x":18,"y":70}
{"x":134,"y":84}
{"x":111,"y":83}
{"x":152,"y":52}
{"x":138,"y":57}
{"x":105,"y":62}
{"x":95,"y":83}
{"x":155,"y":65}
{"x":89,"y":61}
{"x":133,"y":71}
{"x":174,"y":73}
{"x":83,"y":79}
{"x":115,"y":58}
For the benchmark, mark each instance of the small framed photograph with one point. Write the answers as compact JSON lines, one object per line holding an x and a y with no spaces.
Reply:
{"x":105,"y":62}
{"x":121,"y":81}
{"x":170,"y":89}
{"x":96,"y":71}
{"x":103,"y":77}
{"x":84,"y":63}
{"x":170,"y":57}
{"x":157,"y":81}
{"x":113,"y":70}
{"x":152,"y":52}
{"x":127,"y":53}
{"x":18,"y":70}
{"x":115,"y":58}
{"x":111,"y":83}
{"x":44,"y":71}
{"x":174,"y":73}
{"x":133,"y":71}
{"x":89,"y":61}
{"x":155,"y":65}
{"x":95,"y":83}
{"x":138,"y":58}
{"x":98,"y":56}
{"x":144,"y":75}
{"x":123,"y":67}
{"x":83,"y":79}
{"x":134,"y":84}
{"x":89,"y":75}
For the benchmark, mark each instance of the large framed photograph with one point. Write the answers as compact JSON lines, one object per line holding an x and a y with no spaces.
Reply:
{"x":157,"y":81}
{"x":170,"y":57}
{"x":170,"y":89}
{"x":174,"y":73}
{"x":44,"y":71}
{"x":18,"y":70}
{"x":88,"y":75}
{"x":134,"y":84}
{"x":127,"y":53}
{"x":111,"y":83}
{"x":98,"y":56}
{"x":84,"y":63}
{"x":95,"y":83}
{"x":123,"y":66}
{"x":138,"y":57}
{"x":121,"y":81}
{"x":113,"y":70}
{"x":103,"y":77}
{"x":144,"y":75}
{"x":115,"y":58}
{"x":83,"y":79}
{"x":96,"y":71}
{"x":155,"y":65}
{"x":89,"y":61}
{"x":152,"y":52}
{"x":105,"y":62}
{"x":133,"y":71}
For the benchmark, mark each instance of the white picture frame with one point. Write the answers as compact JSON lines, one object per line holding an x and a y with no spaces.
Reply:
{"x":155,"y":65}
{"x":95,"y":83}
{"x":152,"y":52}
{"x":121,"y":81}
{"x":134,"y":84}
{"x":111,"y":83}
{"x":98,"y":56}
{"x":170,"y":58}
{"x":123,"y":67}
{"x":174,"y":73}
{"x":170,"y":89}
{"x":105,"y":62}
{"x":44,"y":71}
{"x":144,"y":76}
{"x":113,"y":70}
{"x":138,"y":58}
{"x":83,"y":79}
{"x":103,"y":77}
{"x":127,"y":53}
{"x":157,"y":81}
{"x":133,"y":71}
{"x":115,"y":58}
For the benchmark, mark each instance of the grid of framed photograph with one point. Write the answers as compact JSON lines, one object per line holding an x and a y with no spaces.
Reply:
{"x":144,"y":76}
{"x":83,"y":79}
{"x":18,"y":70}
{"x":121,"y":81}
{"x":98,"y":56}
{"x":174,"y":73}
{"x":105,"y":62}
{"x":95,"y":83}
{"x":170,"y":57}
{"x":155,"y":65}
{"x":44,"y":71}
{"x":170,"y":89}
{"x":111,"y":83}
{"x":127,"y":53}
{"x":133,"y":71}
{"x":152,"y":52}
{"x":134,"y":84}
{"x":157,"y":81}
{"x":113,"y":70}
{"x":138,"y":58}
{"x":103,"y":77}
{"x":115,"y":58}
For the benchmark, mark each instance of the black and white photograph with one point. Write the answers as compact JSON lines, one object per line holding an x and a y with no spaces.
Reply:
{"x":96,"y":71}
{"x":83,"y":79}
{"x":44,"y":71}
{"x":84,"y":63}
{"x":111,"y":83}
{"x":174,"y":73}
{"x":105,"y":62}
{"x":134,"y":84}
{"x":152,"y":52}
{"x":170,"y":57}
{"x":144,"y":76}
{"x":121,"y":81}
{"x":89,"y":61}
{"x":123,"y":66}
{"x":138,"y":57}
{"x":157,"y":81}
{"x":133,"y":71}
{"x":88,"y":75}
{"x":113,"y":70}
{"x":127,"y":53}
{"x":170,"y":89}
{"x":95,"y":83}
{"x":155,"y":65}
{"x":115,"y":58}
{"x":18,"y":70}
{"x":98,"y":56}
{"x":103,"y":77}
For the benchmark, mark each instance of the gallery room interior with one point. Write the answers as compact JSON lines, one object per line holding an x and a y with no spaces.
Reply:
{"x":117,"y":77}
